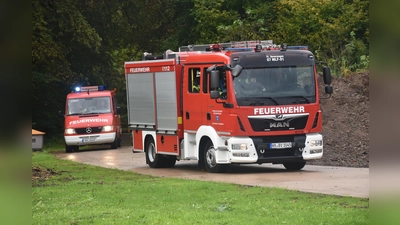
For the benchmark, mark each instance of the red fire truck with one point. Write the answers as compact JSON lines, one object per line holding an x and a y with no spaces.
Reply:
{"x":91,"y":117}
{"x":231,"y":103}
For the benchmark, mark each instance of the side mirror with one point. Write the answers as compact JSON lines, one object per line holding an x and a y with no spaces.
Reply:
{"x":329,"y":90}
{"x":327,"y":75}
{"x":236,"y":70}
{"x":118,"y":110}
{"x":214,"y":94}
{"x":214,"y":79}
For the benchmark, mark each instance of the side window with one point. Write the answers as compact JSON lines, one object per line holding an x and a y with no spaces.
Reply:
{"x":114,"y":104}
{"x":205,"y":80}
{"x":194,"y":80}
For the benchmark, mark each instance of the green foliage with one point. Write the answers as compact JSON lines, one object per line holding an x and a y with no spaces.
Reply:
{"x":322,"y":25}
{"x":354,"y":57}
{"x":210,"y":16}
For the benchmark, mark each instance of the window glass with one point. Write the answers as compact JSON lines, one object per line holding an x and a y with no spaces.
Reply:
{"x":205,"y":80}
{"x":194,"y":80}
{"x":95,"y":105}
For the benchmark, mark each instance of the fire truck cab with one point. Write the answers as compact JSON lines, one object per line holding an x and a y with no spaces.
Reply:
{"x":91,"y":117}
{"x":231,"y":103}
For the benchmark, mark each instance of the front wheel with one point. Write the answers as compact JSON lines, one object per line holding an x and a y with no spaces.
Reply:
{"x":294,"y":165}
{"x":114,"y":144}
{"x":210,"y":160}
{"x":69,"y":149}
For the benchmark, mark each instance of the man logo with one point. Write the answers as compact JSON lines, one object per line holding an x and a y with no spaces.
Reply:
{"x":279,"y":117}
{"x":88,"y":130}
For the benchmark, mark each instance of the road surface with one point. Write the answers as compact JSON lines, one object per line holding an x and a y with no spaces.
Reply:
{"x":342,"y":181}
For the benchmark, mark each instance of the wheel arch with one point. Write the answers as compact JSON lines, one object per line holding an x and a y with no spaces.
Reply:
{"x":147,"y":136}
{"x":204,"y":134}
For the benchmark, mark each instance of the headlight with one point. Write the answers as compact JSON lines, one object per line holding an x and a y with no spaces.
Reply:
{"x":239,"y":146}
{"x":316,"y":143}
{"x":107,"y":128}
{"x":70,"y":131}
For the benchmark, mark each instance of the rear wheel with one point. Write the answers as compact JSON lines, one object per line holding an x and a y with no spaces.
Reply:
{"x":169,"y":161}
{"x":210,"y":162}
{"x":294,"y":165}
{"x":152,"y":158}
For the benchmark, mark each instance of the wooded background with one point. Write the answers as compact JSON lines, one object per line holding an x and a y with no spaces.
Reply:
{"x":86,"y":42}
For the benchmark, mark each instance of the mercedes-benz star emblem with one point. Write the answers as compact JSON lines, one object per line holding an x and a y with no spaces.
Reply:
{"x":88,"y":130}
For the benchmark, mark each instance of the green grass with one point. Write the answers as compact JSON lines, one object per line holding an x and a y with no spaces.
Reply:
{"x":84,"y":194}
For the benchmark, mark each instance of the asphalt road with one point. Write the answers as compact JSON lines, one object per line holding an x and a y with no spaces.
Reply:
{"x":342,"y":181}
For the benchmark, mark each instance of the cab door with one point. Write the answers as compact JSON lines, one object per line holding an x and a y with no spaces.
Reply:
{"x":192,"y":99}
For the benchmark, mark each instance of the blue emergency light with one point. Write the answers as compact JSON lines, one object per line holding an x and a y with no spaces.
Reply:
{"x":298,"y":47}
{"x":239,"y":49}
{"x":91,"y":88}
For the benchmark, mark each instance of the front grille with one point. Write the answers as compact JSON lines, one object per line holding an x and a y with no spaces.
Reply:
{"x":261,"y":124}
{"x":83,"y":130}
{"x":263,"y":149}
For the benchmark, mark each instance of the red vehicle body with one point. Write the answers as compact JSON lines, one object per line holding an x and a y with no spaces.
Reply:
{"x":91,"y":117}
{"x":190,"y":106}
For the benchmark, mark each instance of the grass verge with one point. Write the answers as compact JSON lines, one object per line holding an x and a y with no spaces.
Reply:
{"x":66,"y":192}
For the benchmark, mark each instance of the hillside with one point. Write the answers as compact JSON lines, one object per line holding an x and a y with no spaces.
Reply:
{"x":346,"y":122}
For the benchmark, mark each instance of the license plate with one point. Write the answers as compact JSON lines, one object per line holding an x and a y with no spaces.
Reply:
{"x":280,"y":145}
{"x":89,"y":139}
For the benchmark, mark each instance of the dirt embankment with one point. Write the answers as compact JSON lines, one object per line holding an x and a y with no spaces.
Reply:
{"x":346,"y":122}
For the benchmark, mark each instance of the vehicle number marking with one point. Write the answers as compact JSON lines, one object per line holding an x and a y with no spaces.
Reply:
{"x":280,"y":145}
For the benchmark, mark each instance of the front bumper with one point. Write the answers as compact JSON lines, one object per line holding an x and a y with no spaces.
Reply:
{"x":90,"y":139}
{"x":258,"y":150}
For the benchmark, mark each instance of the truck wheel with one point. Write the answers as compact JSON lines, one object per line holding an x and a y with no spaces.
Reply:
{"x":68,"y":149}
{"x":169,"y":161}
{"x":119,"y":142}
{"x":294,"y":165}
{"x":114,"y":145}
{"x":210,"y":159}
{"x":152,"y":158}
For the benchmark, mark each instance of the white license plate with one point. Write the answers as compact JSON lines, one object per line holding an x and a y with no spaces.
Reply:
{"x":89,"y":139}
{"x":280,"y":145}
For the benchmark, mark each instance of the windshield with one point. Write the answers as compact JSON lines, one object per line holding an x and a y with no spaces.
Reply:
{"x":275,"y":86}
{"x":78,"y":106}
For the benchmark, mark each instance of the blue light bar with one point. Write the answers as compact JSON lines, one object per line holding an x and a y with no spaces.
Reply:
{"x":102,"y":87}
{"x":299,"y":47}
{"x":239,"y":49}
{"x":91,"y":88}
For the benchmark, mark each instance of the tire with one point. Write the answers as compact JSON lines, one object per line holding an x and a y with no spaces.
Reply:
{"x":293,"y":166}
{"x":69,"y":149}
{"x":114,"y":145}
{"x":119,"y":142}
{"x":152,"y":158}
{"x":169,"y":161}
{"x":210,"y":159}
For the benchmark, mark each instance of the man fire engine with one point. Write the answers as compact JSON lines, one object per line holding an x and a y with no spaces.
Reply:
{"x":91,"y":117}
{"x":231,"y":103}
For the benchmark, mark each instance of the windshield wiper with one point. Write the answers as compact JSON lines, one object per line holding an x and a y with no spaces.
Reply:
{"x":299,"y":96}
{"x":74,"y":114}
{"x":267,"y":97}
{"x":258,"y":100}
